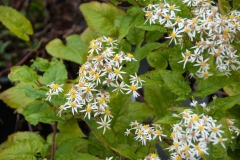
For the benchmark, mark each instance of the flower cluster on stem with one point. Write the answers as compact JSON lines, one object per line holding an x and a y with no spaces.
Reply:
{"x":103,"y":69}
{"x":211,"y":32}
{"x":193,"y":134}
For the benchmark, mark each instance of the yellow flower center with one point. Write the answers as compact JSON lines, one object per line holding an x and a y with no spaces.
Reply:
{"x":116,"y":58}
{"x":153,"y":155}
{"x":110,"y":39}
{"x":133,"y":88}
{"x":54,"y":86}
{"x":94,"y":46}
{"x":130,"y":55}
{"x":214,"y":129}
{"x":101,"y":100}
{"x":206,"y":74}
{"x":72,"y":104}
{"x":96,"y":76}
{"x":159,"y":132}
{"x":88,"y":89}
{"x":171,"y":7}
{"x":203,"y":64}
{"x":107,"y":111}
{"x":140,"y":132}
{"x":173,"y":35}
{"x":149,"y":15}
{"x":200,"y":127}
{"x":116,"y":71}
{"x":88,"y":109}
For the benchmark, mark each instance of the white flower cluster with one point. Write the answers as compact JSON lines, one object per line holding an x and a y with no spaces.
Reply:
{"x":192,"y":135}
{"x":146,"y":132}
{"x":102,"y":70}
{"x":212,"y":32}
{"x":55,"y":89}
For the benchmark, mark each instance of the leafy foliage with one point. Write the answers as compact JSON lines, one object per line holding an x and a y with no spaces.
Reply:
{"x":180,"y":73}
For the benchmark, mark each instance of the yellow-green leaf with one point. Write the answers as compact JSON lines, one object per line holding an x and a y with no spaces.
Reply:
{"x":74,"y":50}
{"x":16,"y":22}
{"x":103,"y":18}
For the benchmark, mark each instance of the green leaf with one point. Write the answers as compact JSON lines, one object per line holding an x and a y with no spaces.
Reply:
{"x":135,"y":35}
{"x":147,"y":48}
{"x":125,"y":151}
{"x":139,"y":112}
{"x":152,"y":36}
{"x":168,"y":120}
{"x":176,"y":83}
{"x":158,"y":59}
{"x":32,"y":92}
{"x":125,"y":46}
{"x":16,"y":22}
{"x":40,"y":112}
{"x":14,"y":98}
{"x":56,"y":73}
{"x":74,"y":50}
{"x":152,"y":78}
{"x":41,"y":64}
{"x":160,"y":98}
{"x":70,"y":148}
{"x":68,"y":130}
{"x":23,"y":74}
{"x":223,"y":104}
{"x":119,"y":106}
{"x":103,"y":18}
{"x":23,"y":145}
{"x":211,"y":85}
{"x":152,"y":27}
{"x":133,"y":16}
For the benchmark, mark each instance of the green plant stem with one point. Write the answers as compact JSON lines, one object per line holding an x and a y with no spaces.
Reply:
{"x":53,"y":149}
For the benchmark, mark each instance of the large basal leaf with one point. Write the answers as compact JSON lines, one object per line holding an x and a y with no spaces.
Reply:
{"x":40,"y":112}
{"x":23,"y":145}
{"x":68,"y":130}
{"x":16,"y":22}
{"x":56,"y":73}
{"x":74,"y":50}
{"x":176,"y":83}
{"x":211,"y":85}
{"x":103,"y":18}
{"x":23,"y":74}
{"x":14,"y":98}
{"x":133,"y":16}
